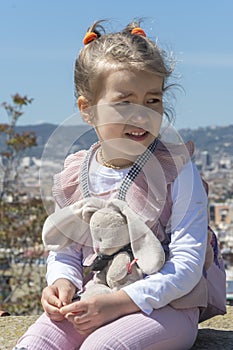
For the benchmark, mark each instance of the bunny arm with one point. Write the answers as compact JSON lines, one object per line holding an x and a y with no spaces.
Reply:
{"x":92,"y":288}
{"x":113,"y":277}
{"x":118,"y":274}
{"x":118,"y":268}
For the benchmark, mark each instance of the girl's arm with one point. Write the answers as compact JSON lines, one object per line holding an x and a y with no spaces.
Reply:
{"x":183,"y":269}
{"x":89,"y":314}
{"x":64,"y":277}
{"x":67,"y":263}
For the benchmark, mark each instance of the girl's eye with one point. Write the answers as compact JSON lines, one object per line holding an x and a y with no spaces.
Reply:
{"x":123,"y":103}
{"x":154,"y":100}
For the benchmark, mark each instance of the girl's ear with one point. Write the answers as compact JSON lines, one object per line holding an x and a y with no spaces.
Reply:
{"x":85,"y":109}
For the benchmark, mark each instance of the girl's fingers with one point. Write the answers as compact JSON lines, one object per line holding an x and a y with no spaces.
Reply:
{"x":50,"y":296}
{"x":50,"y":309}
{"x":53,"y":312}
{"x":55,"y":316}
{"x":53,"y":300}
{"x":76,"y":307}
{"x":82,"y":326}
{"x":77,"y":318}
{"x":66,"y":296}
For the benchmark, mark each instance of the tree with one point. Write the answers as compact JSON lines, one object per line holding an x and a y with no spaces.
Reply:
{"x":21,"y":250}
{"x":14,"y":144}
{"x":22,"y":256}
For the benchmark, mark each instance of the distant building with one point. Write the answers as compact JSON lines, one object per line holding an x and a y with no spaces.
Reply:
{"x":205,"y":160}
{"x":225,"y":163}
{"x":221,"y":213}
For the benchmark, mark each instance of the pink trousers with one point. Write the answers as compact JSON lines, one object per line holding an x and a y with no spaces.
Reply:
{"x":164,"y":329}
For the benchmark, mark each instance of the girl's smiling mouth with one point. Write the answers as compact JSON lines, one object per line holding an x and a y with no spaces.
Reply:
{"x":137,"y":135}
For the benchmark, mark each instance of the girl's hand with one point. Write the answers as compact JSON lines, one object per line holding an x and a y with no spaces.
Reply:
{"x":89,"y":314}
{"x":56,"y":296}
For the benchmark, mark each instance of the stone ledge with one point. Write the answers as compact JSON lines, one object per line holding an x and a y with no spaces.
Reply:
{"x":214,"y":339}
{"x":216,"y":333}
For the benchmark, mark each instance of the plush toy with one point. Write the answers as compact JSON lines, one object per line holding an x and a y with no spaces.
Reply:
{"x":126,"y":248}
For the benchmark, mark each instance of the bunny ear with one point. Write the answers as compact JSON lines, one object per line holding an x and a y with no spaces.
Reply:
{"x":70,"y":224}
{"x":145,"y":245}
{"x":148,"y":251}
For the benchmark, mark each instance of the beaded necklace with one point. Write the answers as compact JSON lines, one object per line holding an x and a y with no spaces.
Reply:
{"x":129,"y":178}
{"x":109,"y":165}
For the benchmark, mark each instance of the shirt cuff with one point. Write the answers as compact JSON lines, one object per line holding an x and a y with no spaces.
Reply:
{"x":131,"y":291}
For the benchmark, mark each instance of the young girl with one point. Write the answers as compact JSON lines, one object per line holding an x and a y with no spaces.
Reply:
{"x":120,"y":81}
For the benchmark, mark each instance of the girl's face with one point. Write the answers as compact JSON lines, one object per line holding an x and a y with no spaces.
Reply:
{"x":128,"y":110}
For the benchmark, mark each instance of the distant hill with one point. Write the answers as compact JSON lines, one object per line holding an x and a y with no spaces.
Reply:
{"x":216,"y":139}
{"x":83,"y":136}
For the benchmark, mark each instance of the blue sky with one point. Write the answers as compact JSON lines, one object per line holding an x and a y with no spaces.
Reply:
{"x":39,"y":41}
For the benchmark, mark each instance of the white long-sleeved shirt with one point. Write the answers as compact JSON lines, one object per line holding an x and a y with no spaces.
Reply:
{"x":182,"y":271}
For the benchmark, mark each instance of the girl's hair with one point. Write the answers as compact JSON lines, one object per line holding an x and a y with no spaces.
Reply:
{"x":118,"y":50}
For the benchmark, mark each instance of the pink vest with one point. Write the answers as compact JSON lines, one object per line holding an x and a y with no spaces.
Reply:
{"x":154,"y":204}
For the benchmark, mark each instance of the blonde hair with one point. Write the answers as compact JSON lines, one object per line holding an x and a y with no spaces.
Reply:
{"x":114,"y":51}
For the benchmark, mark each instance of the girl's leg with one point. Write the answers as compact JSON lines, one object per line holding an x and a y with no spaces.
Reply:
{"x":49,"y":335}
{"x":164,"y":329}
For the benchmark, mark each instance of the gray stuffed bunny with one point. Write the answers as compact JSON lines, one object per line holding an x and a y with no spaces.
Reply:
{"x":126,"y":248}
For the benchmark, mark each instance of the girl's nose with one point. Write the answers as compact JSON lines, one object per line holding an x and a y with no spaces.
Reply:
{"x":138,"y":119}
{"x":135,"y":113}
{"x":139,"y":115}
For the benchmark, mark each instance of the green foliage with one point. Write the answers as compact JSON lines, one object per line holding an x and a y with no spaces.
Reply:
{"x":21,"y":223}
{"x":22,"y":256}
{"x":15,"y":143}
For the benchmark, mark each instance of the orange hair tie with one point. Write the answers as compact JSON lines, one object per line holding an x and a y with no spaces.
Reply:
{"x":138,"y":31}
{"x":89,"y":36}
